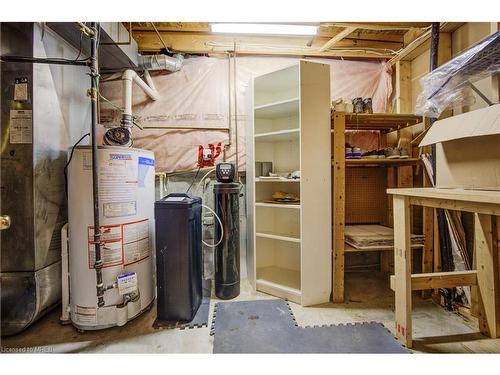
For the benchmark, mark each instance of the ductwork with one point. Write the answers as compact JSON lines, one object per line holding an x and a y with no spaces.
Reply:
{"x":161,"y":62}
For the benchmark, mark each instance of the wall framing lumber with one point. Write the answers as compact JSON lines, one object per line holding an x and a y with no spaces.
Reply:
{"x":436,"y":280}
{"x":488,"y":280}
{"x":337,"y":38}
{"x":338,"y":207}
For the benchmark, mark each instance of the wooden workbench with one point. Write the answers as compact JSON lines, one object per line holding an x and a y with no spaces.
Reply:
{"x":486,"y":206}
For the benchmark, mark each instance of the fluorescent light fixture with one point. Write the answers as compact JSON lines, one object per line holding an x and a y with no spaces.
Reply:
{"x":263,"y":28}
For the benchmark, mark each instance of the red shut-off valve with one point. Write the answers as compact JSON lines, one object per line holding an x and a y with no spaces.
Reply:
{"x":207,"y":156}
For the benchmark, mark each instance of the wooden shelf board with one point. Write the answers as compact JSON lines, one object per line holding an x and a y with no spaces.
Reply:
{"x":278,"y":136}
{"x":350,"y":249}
{"x":278,"y":205}
{"x":277,"y":236}
{"x":382,"y":162}
{"x":280,"y":282}
{"x":288,"y":180}
{"x":473,"y":196}
{"x":282,"y":108}
{"x":379,"y":121}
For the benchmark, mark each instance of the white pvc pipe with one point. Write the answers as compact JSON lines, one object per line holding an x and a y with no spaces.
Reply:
{"x":130,"y":76}
{"x":65,"y":310}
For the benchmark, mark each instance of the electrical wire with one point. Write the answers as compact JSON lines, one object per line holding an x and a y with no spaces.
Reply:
{"x":221,"y":228}
{"x":159,"y":37}
{"x":69,"y":161}
{"x":205,"y":176}
{"x":194,"y":179}
{"x":52,"y":59}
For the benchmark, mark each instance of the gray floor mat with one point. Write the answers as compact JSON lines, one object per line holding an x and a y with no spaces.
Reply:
{"x":201,"y":317}
{"x":268,"y":326}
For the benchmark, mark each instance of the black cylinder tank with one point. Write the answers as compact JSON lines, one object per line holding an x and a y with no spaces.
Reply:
{"x":227,"y":253}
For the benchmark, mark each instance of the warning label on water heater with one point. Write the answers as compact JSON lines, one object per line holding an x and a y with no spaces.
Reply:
{"x":123,"y":244}
{"x":118,"y":185}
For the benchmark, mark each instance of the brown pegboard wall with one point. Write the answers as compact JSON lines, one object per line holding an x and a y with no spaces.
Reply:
{"x":366,"y":198}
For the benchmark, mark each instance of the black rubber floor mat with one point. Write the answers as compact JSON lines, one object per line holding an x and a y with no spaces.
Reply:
{"x":201,"y":317}
{"x":268,"y":326}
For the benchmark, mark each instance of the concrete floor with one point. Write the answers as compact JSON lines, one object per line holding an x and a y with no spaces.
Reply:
{"x":368,"y":299}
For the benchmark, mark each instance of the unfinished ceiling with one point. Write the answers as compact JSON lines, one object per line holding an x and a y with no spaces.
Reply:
{"x":334,"y":39}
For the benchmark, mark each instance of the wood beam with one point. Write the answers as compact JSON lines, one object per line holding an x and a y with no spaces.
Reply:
{"x":296,"y":46}
{"x":380,"y":25}
{"x":337,"y":38}
{"x":488,"y":279}
{"x":360,"y":34}
{"x":436,"y":280}
{"x":338,"y":201}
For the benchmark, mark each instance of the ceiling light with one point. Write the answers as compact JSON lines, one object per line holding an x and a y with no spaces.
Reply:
{"x":263,"y":28}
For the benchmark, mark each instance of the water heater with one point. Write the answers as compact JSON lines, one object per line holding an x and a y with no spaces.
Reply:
{"x":126,"y":205}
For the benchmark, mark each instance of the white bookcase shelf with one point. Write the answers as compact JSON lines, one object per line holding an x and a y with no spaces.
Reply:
{"x":276,"y":110}
{"x":289,"y":245}
{"x":278,"y":236}
{"x":286,"y":135}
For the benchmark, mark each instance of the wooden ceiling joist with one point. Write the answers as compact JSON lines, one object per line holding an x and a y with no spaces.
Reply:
{"x":333,"y":39}
{"x":200,"y":43}
{"x":337,"y":38}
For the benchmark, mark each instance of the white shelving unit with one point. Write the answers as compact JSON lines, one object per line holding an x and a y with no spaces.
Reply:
{"x":289,"y":249}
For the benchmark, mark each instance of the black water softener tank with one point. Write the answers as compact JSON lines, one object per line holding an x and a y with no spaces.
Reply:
{"x":227,"y":253}
{"x":179,"y":264}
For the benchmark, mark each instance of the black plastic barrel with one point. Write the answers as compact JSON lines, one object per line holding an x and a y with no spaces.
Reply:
{"x":227,"y":253}
{"x":179,"y":264}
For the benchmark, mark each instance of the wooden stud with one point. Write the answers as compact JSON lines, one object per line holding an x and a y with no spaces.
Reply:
{"x":487,"y":253}
{"x":402,"y":269}
{"x":337,"y":38}
{"x":435,"y":280}
{"x":338,"y":207}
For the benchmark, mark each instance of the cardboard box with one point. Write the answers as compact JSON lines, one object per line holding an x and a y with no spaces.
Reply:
{"x":467,"y":149}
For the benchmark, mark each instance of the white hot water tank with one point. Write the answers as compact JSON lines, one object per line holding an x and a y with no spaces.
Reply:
{"x":126,"y":206}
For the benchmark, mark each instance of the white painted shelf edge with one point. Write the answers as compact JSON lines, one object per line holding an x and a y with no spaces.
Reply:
{"x":276,"y":104}
{"x":285,"y":180}
{"x":276,"y":236}
{"x":278,"y":205}
{"x":283,"y":133}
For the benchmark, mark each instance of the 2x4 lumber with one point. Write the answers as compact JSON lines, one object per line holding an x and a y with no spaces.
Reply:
{"x":360,"y":34}
{"x":436,"y":280}
{"x":337,"y":38}
{"x":338,"y":207}
{"x":298,"y":46}
{"x":428,"y":230}
{"x":402,"y":269}
{"x":471,"y":196}
{"x":487,"y":253}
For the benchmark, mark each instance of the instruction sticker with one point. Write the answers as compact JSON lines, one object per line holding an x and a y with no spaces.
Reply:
{"x":21,"y":126}
{"x":119,"y":209}
{"x":21,"y":89}
{"x":135,"y":241}
{"x":123,"y":244}
{"x":145,"y":165}
{"x":127,"y":283}
{"x":112,"y":248}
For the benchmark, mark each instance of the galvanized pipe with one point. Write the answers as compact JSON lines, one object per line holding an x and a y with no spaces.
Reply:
{"x":94,"y":76}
